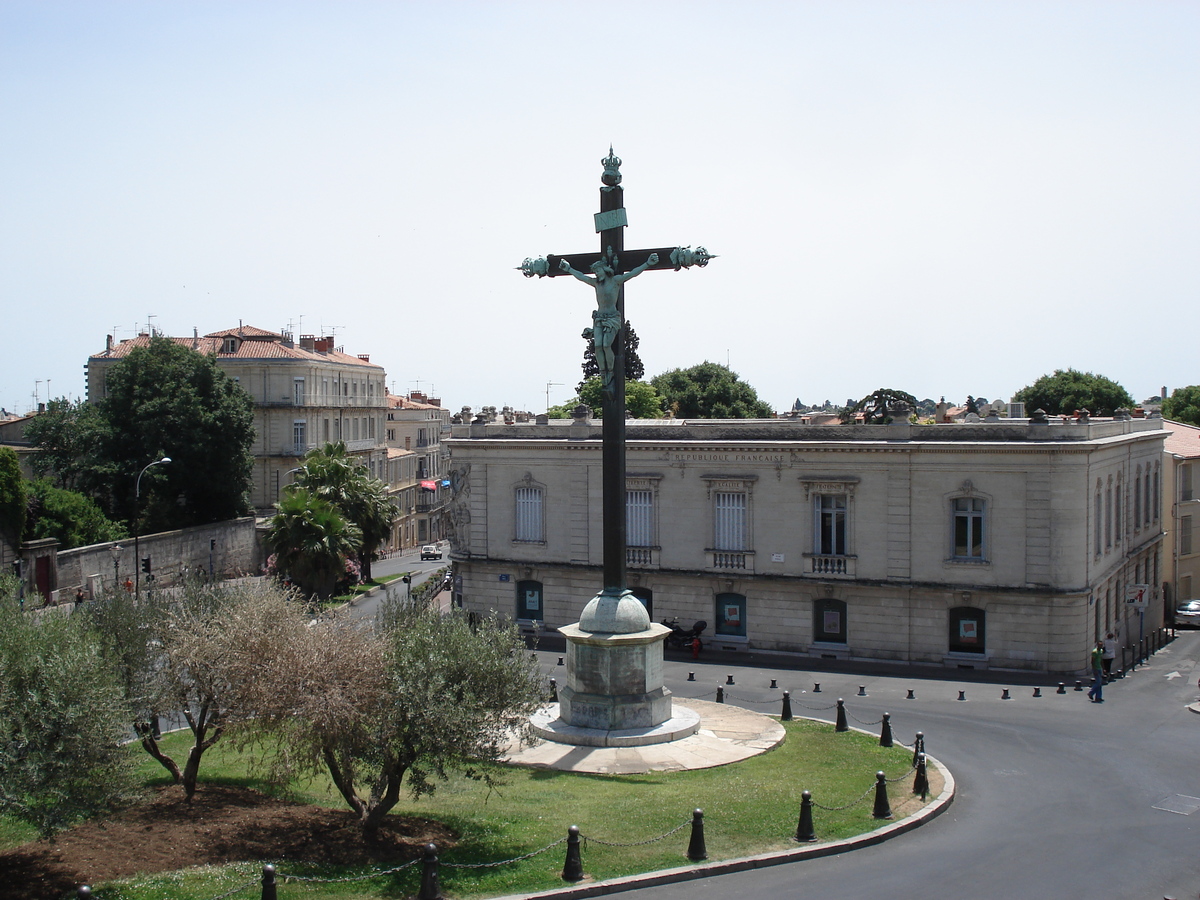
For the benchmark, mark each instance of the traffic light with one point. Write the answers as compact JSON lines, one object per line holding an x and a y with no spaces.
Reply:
{"x":146,"y":564}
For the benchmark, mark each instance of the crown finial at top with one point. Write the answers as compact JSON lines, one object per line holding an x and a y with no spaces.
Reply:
{"x":612,"y":169}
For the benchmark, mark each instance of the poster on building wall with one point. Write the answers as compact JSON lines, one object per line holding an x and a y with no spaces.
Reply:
{"x":533,"y":600}
{"x":733,"y":614}
{"x":968,"y":631}
{"x":832,"y":622}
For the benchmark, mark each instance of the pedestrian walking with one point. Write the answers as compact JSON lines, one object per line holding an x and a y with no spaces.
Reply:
{"x":1096,"y":693}
{"x":1110,"y":653}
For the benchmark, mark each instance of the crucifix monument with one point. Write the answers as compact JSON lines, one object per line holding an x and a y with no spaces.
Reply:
{"x":614,"y":652}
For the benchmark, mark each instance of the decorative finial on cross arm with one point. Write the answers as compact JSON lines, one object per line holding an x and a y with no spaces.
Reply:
{"x":612,"y":169}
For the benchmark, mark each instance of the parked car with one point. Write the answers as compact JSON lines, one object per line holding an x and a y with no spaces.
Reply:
{"x":1187,"y":615}
{"x":430,"y":551}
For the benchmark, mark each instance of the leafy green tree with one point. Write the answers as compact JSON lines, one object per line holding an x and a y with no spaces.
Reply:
{"x":333,"y":475}
{"x":311,"y":540}
{"x":876,"y":407}
{"x":401,"y":706}
{"x":13,"y":498}
{"x":166,"y":399}
{"x":62,"y":720}
{"x":709,"y":391}
{"x":641,"y":400}
{"x":1067,"y":390}
{"x":634,"y":368}
{"x":1183,"y":405}
{"x":68,"y":437}
{"x":71,"y":518}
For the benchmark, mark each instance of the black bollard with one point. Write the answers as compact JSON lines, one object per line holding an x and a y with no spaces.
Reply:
{"x":268,"y":883}
{"x":804,"y":830}
{"x":918,"y":747}
{"x":842,"y":724}
{"x":786,"y":715}
{"x":1079,"y":685}
{"x":862,"y":690}
{"x":883,"y":809}
{"x":573,"y":867}
{"x":817,"y":688}
{"x":1037,"y":692}
{"x":885,"y":733}
{"x":696,"y":850}
{"x":430,"y":888}
{"x":1004,"y":696}
{"x":962,"y":695}
{"x":729,"y":679}
{"x":691,"y":676}
{"x":911,"y":695}
{"x":553,"y":690}
{"x":773,"y":684}
{"x":560,"y":661}
{"x":1062,"y":688}
{"x":83,"y":892}
{"x":921,"y":781}
{"x":720,"y":694}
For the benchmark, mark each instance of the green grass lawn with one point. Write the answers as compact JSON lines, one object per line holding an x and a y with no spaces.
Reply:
{"x":749,"y":807}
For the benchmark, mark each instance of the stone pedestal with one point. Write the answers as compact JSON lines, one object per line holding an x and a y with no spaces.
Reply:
{"x":614,"y":666}
{"x":614,"y":681}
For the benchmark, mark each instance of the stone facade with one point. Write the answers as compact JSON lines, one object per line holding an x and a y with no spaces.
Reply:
{"x":1007,"y":544}
{"x":304,"y":393}
{"x":1181,"y":496}
{"x":414,"y":426}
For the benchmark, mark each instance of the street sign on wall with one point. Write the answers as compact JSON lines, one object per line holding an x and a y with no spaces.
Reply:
{"x":1137,"y":596}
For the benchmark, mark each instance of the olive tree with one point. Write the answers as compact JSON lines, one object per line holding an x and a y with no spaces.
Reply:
{"x":399,"y":706}
{"x":62,"y":720}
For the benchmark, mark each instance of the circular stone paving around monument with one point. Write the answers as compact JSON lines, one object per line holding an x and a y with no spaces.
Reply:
{"x":723,"y":734}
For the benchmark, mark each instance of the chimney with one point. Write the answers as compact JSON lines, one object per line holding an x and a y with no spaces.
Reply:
{"x":108,"y":343}
{"x":308,"y":342}
{"x":195,"y":338}
{"x":365,"y":357}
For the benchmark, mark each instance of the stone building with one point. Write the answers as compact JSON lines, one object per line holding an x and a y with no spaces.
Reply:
{"x":305,"y":394}
{"x":1002,"y":544}
{"x":1181,"y":493}
{"x":414,"y":425}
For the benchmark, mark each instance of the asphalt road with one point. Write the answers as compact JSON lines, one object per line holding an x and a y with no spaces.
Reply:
{"x":1056,"y":797}
{"x":409,"y":561}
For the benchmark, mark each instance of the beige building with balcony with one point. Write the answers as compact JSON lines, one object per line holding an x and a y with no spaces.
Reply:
{"x":1007,"y":544}
{"x":304,"y":393}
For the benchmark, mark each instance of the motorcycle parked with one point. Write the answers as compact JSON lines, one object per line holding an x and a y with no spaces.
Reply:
{"x":684,"y":638}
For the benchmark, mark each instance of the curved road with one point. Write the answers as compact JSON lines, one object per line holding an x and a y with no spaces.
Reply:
{"x":1056,"y":795}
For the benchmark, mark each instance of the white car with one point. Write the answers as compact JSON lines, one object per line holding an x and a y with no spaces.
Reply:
{"x":430,"y":551}
{"x":1187,"y":615}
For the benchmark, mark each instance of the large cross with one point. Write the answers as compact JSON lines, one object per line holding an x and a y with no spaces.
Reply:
{"x":611,"y":267}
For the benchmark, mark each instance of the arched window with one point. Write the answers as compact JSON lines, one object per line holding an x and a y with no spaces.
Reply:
{"x":529,"y":600}
{"x":529,"y":514}
{"x":968,"y":633}
{"x":829,"y":621}
{"x":731,"y":615}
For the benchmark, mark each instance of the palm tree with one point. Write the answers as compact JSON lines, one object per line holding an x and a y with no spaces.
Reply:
{"x":311,"y":540}
{"x":335,"y":476}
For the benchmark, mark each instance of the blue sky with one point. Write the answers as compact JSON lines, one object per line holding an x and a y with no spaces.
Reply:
{"x":945,"y":198}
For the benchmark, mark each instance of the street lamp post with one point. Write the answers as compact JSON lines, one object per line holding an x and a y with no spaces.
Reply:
{"x":137,"y":506}
{"x":116,"y":550}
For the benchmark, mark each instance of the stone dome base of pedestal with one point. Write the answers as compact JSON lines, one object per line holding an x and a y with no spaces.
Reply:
{"x":727,"y":734}
{"x":548,"y":726}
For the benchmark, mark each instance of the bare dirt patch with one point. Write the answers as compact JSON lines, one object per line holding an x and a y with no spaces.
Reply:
{"x":222,"y":824}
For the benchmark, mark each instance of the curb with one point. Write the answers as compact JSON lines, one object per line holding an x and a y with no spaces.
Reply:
{"x":780,"y":857}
